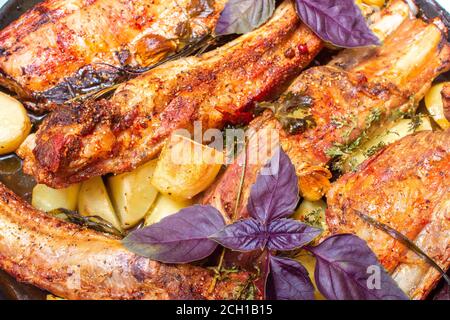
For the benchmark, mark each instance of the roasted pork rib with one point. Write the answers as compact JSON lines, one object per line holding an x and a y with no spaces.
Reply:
{"x":406,"y":186}
{"x":116,"y":135}
{"x":446,"y":100}
{"x":61,"y":49}
{"x":358,"y":91}
{"x":77,"y":263}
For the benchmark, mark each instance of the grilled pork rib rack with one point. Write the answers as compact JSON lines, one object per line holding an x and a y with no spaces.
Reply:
{"x":117,"y":135}
{"x":77,"y":263}
{"x":358,"y":91}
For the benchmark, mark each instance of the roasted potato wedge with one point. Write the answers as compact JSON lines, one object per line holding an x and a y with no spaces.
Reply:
{"x":132,"y":194}
{"x":165,"y":206}
{"x":15,"y":125}
{"x":435,"y":105}
{"x":93,"y":200}
{"x":47,"y":199}
{"x":186,"y":168}
{"x":386,"y":136}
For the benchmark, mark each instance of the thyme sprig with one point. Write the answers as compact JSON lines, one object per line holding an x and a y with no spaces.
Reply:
{"x":91,"y":222}
{"x":339,"y":152}
{"x":374,"y":149}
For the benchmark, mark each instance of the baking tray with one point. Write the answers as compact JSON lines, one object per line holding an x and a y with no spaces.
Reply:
{"x":11,"y":289}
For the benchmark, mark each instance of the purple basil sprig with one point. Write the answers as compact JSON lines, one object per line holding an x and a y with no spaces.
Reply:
{"x":342,"y":268}
{"x":344,"y":262}
{"x":339,"y":22}
{"x":288,"y":234}
{"x":178,"y":238}
{"x":288,"y":280}
{"x":245,"y":235}
{"x":282,"y":234}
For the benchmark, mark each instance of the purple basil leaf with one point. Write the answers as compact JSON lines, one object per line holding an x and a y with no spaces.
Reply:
{"x":337,"y":21}
{"x":347,"y":269}
{"x":179,"y":238}
{"x":242,"y":16}
{"x":288,"y":234}
{"x":288,"y":280}
{"x":245,"y":235}
{"x":274,"y":195}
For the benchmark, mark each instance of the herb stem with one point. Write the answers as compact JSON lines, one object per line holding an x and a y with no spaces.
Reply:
{"x":243,"y":289}
{"x":241,"y":182}
{"x":218,"y":271}
{"x":196,"y":46}
{"x":236,"y":208}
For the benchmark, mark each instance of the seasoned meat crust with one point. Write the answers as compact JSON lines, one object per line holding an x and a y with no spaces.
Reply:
{"x":406,"y":186}
{"x":356,"y":92}
{"x":77,"y":263}
{"x":117,"y":135}
{"x":60,"y":49}
{"x":358,"y":88}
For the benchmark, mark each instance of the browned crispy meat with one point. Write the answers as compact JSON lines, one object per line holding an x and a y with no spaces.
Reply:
{"x":348,"y":100}
{"x":77,"y":263}
{"x":406,"y":186}
{"x":116,"y":135}
{"x":345,"y":95}
{"x":446,"y":100}
{"x":64,"y":48}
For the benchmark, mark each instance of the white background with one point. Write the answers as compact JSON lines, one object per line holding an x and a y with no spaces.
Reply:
{"x":444,"y":3}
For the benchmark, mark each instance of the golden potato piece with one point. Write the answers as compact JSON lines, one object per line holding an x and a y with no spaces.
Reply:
{"x":47,"y":199}
{"x":377,"y":3}
{"x":133,"y":194}
{"x":446,"y":100}
{"x":164,"y":207}
{"x":93,"y":200}
{"x":435,"y":105}
{"x":15,"y":124}
{"x":384,"y":137}
{"x":309,"y":262}
{"x":186,"y":168}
